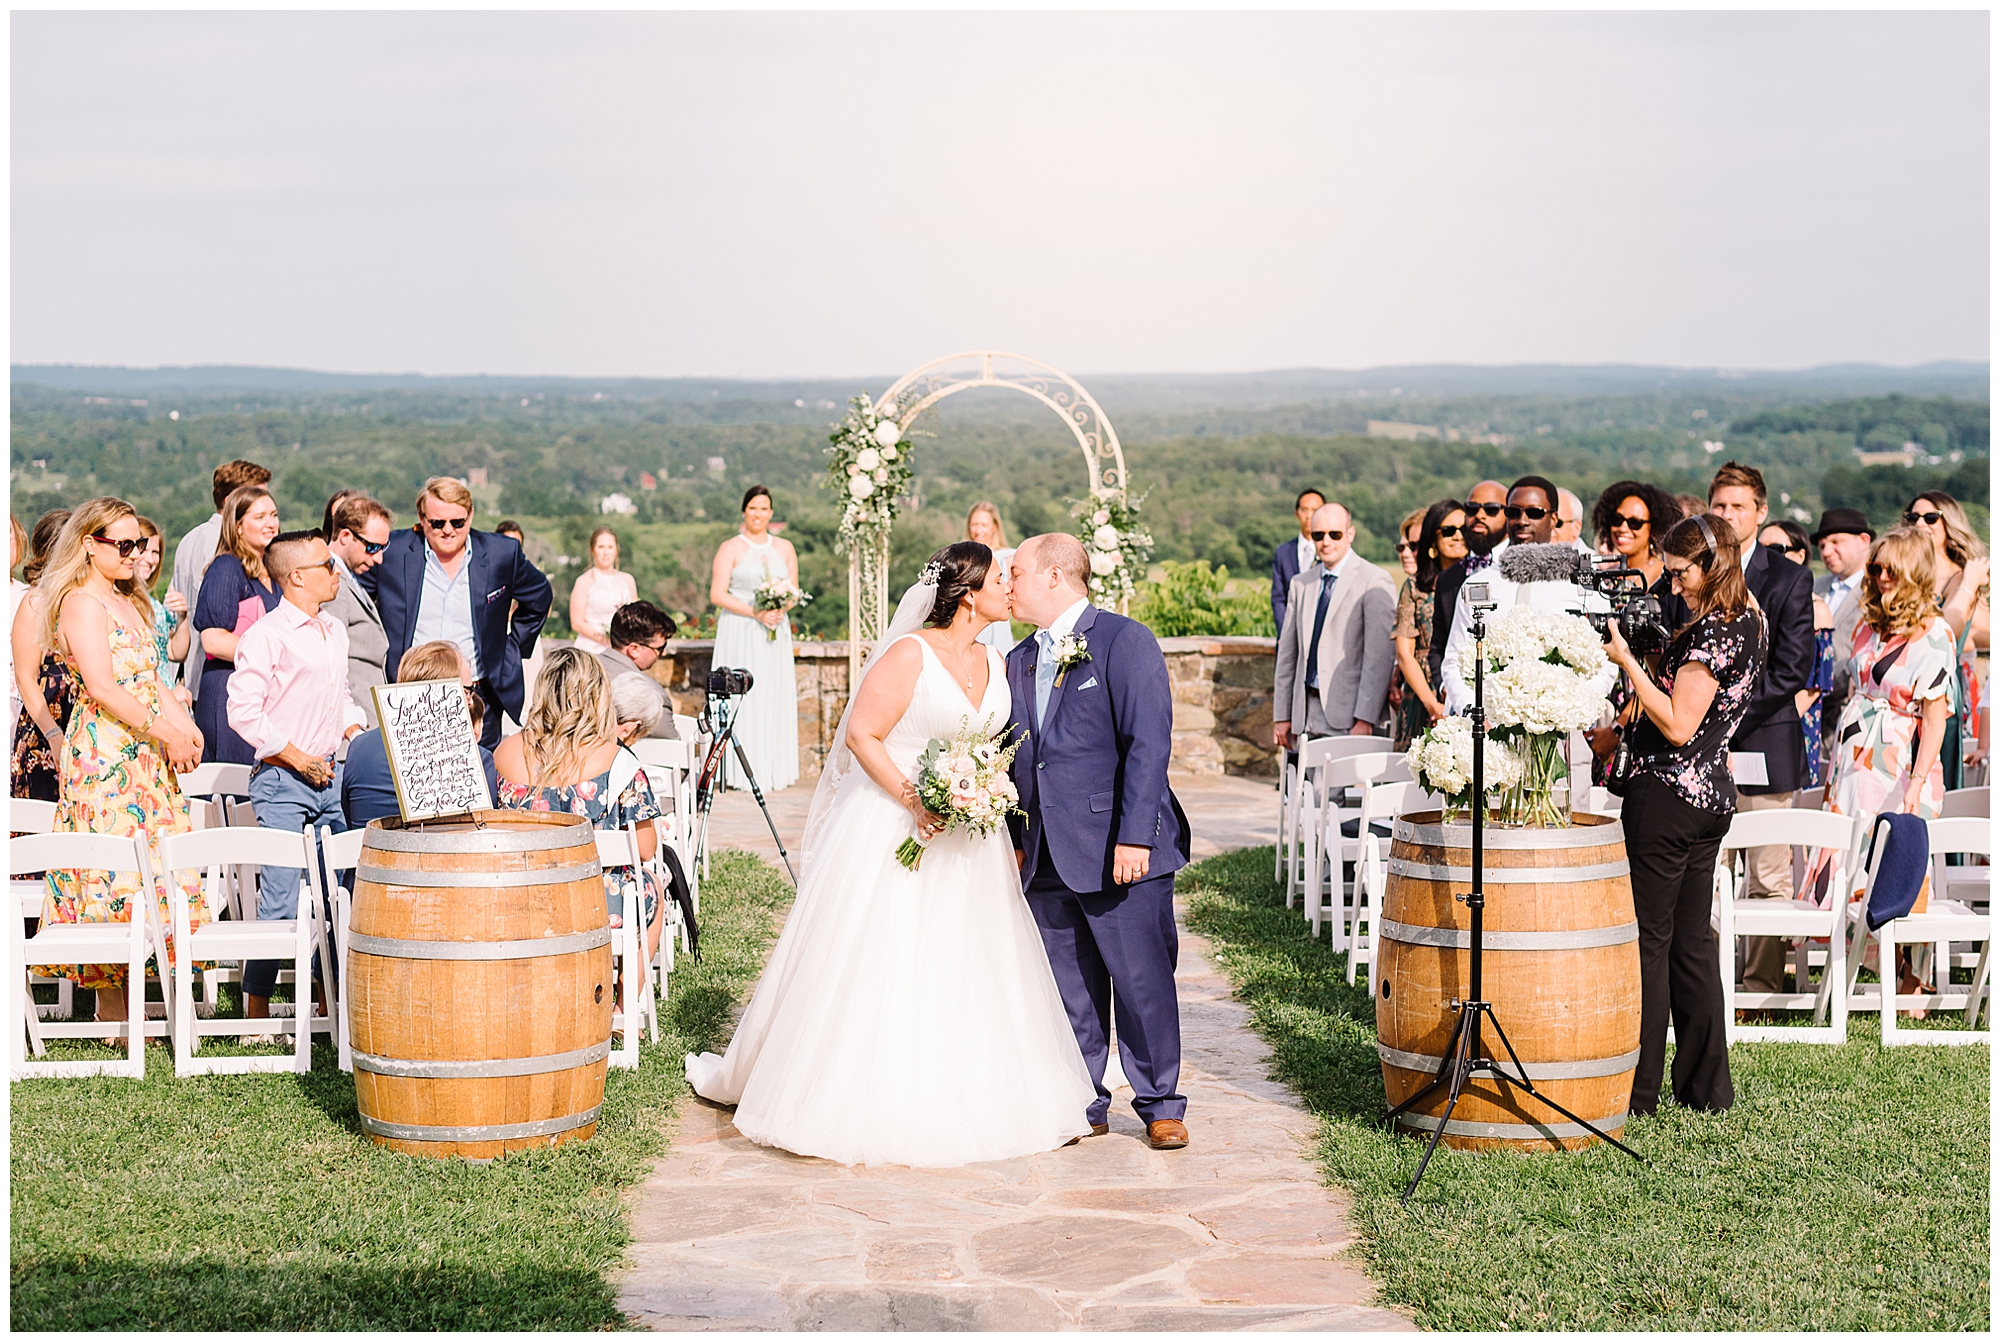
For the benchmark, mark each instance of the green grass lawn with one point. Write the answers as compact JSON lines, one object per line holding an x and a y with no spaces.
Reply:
{"x":1847,"y":1188}
{"x":255,"y":1203}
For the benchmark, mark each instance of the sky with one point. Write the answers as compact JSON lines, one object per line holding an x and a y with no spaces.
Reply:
{"x":824,"y":194}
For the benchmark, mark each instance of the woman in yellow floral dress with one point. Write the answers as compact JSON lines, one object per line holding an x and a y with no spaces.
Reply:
{"x":124,"y":738}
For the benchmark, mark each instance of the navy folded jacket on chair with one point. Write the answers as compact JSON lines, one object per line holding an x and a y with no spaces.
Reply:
{"x":1906,"y":857}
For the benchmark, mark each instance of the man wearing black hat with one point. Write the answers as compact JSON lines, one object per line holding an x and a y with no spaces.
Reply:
{"x":1843,"y":538}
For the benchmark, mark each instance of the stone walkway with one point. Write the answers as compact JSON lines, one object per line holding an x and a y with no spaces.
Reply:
{"x":1235,"y":1232}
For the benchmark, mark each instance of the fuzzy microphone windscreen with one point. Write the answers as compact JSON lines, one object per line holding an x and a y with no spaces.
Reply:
{"x":1543,"y":563}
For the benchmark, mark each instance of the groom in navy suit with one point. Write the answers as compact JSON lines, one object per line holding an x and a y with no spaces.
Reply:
{"x":1103,"y":835}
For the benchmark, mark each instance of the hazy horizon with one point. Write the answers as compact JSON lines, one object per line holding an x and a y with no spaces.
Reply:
{"x":829,"y":196}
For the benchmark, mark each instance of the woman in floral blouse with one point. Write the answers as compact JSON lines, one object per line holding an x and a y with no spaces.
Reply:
{"x":566,"y":757}
{"x":1678,"y":805}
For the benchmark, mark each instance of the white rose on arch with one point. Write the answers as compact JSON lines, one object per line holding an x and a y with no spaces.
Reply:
{"x":1105,"y":538}
{"x":867,"y":458}
{"x":860,"y":486}
{"x":888,"y":433}
{"x":1103,"y":564}
{"x":881,"y":477}
{"x":888,"y":454}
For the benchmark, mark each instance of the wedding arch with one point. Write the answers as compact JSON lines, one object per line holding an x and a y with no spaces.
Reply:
{"x":886,"y":422}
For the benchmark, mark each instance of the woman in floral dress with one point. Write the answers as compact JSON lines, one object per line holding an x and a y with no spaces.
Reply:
{"x":126,"y":735}
{"x":566,"y":757}
{"x":40,"y":679}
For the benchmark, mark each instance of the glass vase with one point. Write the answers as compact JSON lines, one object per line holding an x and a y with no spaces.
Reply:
{"x":1541,"y":799}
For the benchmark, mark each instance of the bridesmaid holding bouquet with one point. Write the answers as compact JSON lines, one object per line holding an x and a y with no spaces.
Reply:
{"x":767,"y":720}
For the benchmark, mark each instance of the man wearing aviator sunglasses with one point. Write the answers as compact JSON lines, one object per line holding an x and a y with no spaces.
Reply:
{"x":474,"y":589}
{"x":361,"y":528}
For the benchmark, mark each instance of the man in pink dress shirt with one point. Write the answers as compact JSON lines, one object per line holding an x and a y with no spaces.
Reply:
{"x":289,"y":699}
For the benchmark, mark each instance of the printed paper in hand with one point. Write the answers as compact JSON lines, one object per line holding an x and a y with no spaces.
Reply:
{"x":1747,"y":768}
{"x":433,"y":754}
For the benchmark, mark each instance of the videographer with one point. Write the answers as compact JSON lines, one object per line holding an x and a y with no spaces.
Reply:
{"x":1679,"y":798}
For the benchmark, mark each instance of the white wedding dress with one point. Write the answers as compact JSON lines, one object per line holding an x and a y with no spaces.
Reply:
{"x":906,"y":1018}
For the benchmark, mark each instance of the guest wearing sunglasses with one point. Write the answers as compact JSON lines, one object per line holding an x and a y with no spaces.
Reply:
{"x":359,"y":535}
{"x":289,"y":699}
{"x":471,"y":588}
{"x":1963,"y":596}
{"x":1336,"y":648}
{"x":1631,"y":517}
{"x":1440,"y":545}
{"x":235,"y":593}
{"x":1485,"y":538}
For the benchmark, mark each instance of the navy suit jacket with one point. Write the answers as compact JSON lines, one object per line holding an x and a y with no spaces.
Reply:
{"x":1284,"y":568}
{"x":502,"y":581}
{"x":1095,"y":775}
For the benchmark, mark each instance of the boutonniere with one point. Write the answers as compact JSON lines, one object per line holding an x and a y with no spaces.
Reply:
{"x":1069,"y":650}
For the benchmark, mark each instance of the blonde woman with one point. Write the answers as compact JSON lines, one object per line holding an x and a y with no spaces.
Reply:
{"x":235,"y":594}
{"x":760,"y":642}
{"x":599,"y":591}
{"x":567,"y":757}
{"x":1963,"y":595}
{"x":982,"y":524}
{"x":126,"y":736}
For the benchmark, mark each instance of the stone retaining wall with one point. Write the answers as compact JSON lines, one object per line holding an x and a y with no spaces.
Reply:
{"x":1221,"y":688}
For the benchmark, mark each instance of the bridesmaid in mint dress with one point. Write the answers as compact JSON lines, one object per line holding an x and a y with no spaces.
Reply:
{"x":767,"y":718}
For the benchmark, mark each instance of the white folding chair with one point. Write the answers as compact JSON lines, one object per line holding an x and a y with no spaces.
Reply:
{"x":1599,"y":801}
{"x":1798,"y":918}
{"x":1327,"y":888}
{"x":334,"y":853}
{"x":77,"y":943}
{"x":1967,"y":801}
{"x":1384,"y":801}
{"x":1970,"y":883}
{"x":212,"y":785}
{"x":1942,"y":923}
{"x":207,"y":854}
{"x":675,"y":762}
{"x":636,"y":1009}
{"x":28,"y":816}
{"x":1303,"y":799}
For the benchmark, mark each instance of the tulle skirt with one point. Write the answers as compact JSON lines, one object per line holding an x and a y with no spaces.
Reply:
{"x":906,"y":1018}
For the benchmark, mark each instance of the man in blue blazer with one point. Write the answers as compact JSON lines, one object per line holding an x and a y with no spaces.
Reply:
{"x":1103,"y":835}
{"x":1294,"y":555}
{"x":473,"y":588}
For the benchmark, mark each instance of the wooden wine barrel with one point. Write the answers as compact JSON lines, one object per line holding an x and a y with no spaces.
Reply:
{"x":479,"y":983}
{"x":1561,"y":969}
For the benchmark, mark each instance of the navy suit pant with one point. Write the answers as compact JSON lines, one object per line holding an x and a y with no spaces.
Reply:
{"x":1123,"y":937}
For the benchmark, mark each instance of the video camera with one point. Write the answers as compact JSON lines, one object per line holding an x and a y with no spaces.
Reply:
{"x":1635,"y":609}
{"x":726,"y":682}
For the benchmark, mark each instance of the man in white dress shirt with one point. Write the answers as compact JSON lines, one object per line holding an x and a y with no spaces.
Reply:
{"x":1531,"y":520}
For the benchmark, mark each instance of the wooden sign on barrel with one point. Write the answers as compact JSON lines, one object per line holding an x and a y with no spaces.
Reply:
{"x":1561,"y":969}
{"x":479,"y":983}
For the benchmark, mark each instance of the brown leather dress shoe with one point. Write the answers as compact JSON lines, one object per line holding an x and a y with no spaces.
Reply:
{"x":1096,"y":1130}
{"x":1167,"y":1134}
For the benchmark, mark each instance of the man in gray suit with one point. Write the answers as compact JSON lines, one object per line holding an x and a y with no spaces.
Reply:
{"x":360,"y":534}
{"x":1337,"y":648}
{"x":1843,"y":538}
{"x":639,"y":631}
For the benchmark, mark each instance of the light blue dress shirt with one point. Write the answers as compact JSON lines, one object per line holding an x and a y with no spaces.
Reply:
{"x":446,"y":608}
{"x":1045,"y":662}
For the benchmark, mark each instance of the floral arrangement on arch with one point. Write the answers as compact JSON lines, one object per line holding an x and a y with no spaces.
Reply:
{"x":1117,"y":545}
{"x":869,"y":467}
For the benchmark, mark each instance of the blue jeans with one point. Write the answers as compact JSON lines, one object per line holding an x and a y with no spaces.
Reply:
{"x":285,"y":801}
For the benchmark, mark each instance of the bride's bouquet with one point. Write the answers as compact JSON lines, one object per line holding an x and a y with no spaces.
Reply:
{"x":965,"y":781}
{"x":777,"y":594}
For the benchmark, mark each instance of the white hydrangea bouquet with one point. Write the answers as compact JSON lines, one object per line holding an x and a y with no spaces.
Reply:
{"x":869,"y":468}
{"x":965,"y":782}
{"x":1541,"y":668}
{"x":1441,"y":762}
{"x":779,"y":593}
{"x":1118,"y":547}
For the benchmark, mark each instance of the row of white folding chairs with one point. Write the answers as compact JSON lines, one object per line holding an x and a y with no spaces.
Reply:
{"x":1303,"y":794}
{"x":202,"y":855}
{"x":1841,"y":929}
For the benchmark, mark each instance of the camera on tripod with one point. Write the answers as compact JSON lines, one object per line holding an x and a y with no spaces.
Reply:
{"x":1635,"y":609}
{"x":727,"y":682}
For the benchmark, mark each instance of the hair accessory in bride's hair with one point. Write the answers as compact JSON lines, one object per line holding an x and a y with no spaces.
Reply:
{"x":932,"y":575}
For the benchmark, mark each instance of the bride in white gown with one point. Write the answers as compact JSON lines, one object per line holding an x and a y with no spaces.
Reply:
{"x":908,"y":1017}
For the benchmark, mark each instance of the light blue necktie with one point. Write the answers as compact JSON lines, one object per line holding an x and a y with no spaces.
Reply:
{"x":1045,"y":674}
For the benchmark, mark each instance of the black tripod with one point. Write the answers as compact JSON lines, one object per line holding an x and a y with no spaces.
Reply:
{"x":1464,"y":1054}
{"x":721,"y":724}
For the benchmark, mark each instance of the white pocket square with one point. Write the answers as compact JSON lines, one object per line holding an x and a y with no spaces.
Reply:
{"x":1087,"y":684}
